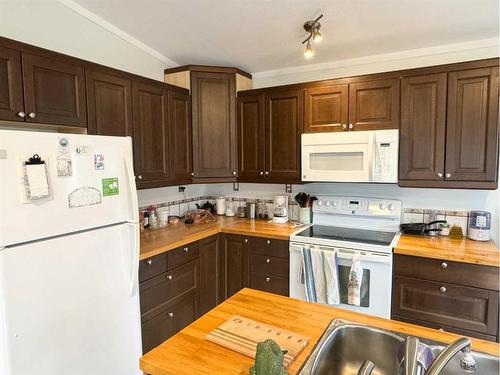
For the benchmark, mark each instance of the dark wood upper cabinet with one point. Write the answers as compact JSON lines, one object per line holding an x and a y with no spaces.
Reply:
{"x":235,"y":264}
{"x":210,"y":273}
{"x":374,"y":105}
{"x":109,"y":104}
{"x":54,"y":91}
{"x":423,"y":127}
{"x":181,"y":162}
{"x":11,"y":85}
{"x":472,"y":125}
{"x":283,"y":129}
{"x":251,"y":137}
{"x":151,"y":134}
{"x":214,"y":125}
{"x":326,"y":109}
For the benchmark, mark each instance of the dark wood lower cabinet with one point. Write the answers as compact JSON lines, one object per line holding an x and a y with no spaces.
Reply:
{"x":234,"y":261}
{"x":211,"y":273}
{"x":441,"y":294}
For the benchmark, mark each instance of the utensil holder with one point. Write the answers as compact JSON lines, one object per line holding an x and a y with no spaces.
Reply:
{"x":305,"y":215}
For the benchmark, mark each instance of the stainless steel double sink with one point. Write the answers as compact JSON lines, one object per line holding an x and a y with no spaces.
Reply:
{"x":345,"y":346}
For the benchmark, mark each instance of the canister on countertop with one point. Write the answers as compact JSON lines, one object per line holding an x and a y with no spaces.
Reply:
{"x":221,"y":206}
{"x":251,"y":210}
{"x":479,"y":225}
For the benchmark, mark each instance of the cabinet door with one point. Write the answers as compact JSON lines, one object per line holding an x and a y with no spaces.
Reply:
{"x":251,"y":140}
{"x":210,"y":271}
{"x":11,"y":86}
{"x":109,"y":104}
{"x":374,"y":105}
{"x":234,"y":260}
{"x":326,"y":109}
{"x":472,"y":126}
{"x":423,"y":127}
{"x":214,"y":124}
{"x":54,"y":91}
{"x":283,"y":130}
{"x":151,"y":146}
{"x":180,"y":137}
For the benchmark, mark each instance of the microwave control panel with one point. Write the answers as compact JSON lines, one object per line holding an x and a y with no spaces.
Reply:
{"x":385,"y":161}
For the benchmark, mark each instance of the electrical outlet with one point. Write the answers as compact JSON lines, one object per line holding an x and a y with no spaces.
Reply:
{"x":182,"y":189}
{"x":236,"y":186}
{"x":288,"y":188}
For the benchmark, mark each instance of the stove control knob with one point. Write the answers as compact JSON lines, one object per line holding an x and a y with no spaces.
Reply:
{"x":334,"y":203}
{"x":390,"y":207}
{"x":327,"y":203}
{"x":382,"y":205}
{"x":320,"y":203}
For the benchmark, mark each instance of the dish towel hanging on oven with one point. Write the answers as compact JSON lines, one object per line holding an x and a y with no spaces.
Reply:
{"x":355,"y":281}
{"x":318,"y":273}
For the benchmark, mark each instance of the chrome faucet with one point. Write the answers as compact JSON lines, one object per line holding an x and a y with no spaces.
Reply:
{"x":414,"y":356}
{"x":467,"y":362}
{"x":366,"y":368}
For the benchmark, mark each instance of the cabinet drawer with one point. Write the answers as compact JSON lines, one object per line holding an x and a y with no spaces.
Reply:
{"x":153,"y":266}
{"x":169,"y":321}
{"x":269,"y":283}
{"x":182,"y":255}
{"x":269,"y":247}
{"x":269,"y":265}
{"x":474,"y":275}
{"x":456,"y":306}
{"x":167,"y":286}
{"x":441,"y":327}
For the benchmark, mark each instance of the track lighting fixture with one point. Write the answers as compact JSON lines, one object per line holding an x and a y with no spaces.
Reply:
{"x":312,"y":27}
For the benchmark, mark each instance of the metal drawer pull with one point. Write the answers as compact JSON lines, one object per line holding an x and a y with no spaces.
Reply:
{"x":440,"y":329}
{"x":261,"y":173}
{"x":268,"y":242}
{"x":344,"y":126}
{"x":149,"y":262}
{"x":21,"y":114}
{"x":448,"y":175}
{"x":246,"y":240}
{"x":170,"y":315}
{"x":442,"y":289}
{"x":444,"y":265}
{"x":186,"y":249}
{"x":440,"y":174}
{"x":268,"y":279}
{"x":32,"y":115}
{"x":268,"y":260}
{"x":351,"y":126}
{"x":169,"y":277}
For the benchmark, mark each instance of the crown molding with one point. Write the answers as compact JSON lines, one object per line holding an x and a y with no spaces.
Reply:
{"x":490,"y":43}
{"x":117,"y":31}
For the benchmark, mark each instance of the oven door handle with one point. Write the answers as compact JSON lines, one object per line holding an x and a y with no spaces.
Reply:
{"x":365,"y":258}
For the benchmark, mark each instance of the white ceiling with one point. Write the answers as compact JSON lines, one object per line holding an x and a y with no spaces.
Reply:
{"x":261,"y":35}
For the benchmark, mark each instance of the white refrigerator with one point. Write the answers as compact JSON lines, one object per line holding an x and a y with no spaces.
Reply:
{"x":69,"y":254}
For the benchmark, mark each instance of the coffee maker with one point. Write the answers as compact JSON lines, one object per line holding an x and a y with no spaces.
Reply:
{"x":280,"y":211}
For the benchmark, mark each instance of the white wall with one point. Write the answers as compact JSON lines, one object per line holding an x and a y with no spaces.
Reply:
{"x":161,"y":195}
{"x":52,"y":25}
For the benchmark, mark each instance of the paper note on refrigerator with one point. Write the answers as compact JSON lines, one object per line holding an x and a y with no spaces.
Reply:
{"x":37,"y":183}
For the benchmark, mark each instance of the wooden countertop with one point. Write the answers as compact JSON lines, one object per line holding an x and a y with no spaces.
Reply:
{"x":189,"y":353}
{"x":154,"y":242}
{"x":440,"y":247}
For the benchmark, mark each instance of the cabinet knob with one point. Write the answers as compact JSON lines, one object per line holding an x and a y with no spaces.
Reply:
{"x":31,"y":115}
{"x":169,"y":277}
{"x":440,"y":329}
{"x":448,"y":175}
{"x":440,"y":174}
{"x":246,"y":240}
{"x":170,"y":315}
{"x":234,"y":173}
{"x":268,"y":260}
{"x":267,"y":173}
{"x":186,"y":249}
{"x":344,"y":126}
{"x":268,"y":279}
{"x":139,"y":177}
{"x":149,"y":262}
{"x":21,"y":114}
{"x":261,"y":173}
{"x":442,"y":289}
{"x":444,"y":265}
{"x":351,"y":126}
{"x":268,"y":242}
{"x":192,"y":174}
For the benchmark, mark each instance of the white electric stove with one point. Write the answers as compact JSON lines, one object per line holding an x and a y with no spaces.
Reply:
{"x":352,"y":226}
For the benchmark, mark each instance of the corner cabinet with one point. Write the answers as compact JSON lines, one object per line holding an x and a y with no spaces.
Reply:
{"x":11,"y":85}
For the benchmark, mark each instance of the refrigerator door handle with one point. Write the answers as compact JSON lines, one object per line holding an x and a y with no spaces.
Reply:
{"x":132,"y":187}
{"x":134,"y":261}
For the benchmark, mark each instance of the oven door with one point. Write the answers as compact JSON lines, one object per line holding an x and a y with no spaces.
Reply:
{"x":376,"y":286}
{"x":343,"y":157}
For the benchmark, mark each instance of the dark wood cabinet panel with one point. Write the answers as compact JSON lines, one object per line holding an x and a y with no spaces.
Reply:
{"x":283,"y":130}
{"x":374,"y":105}
{"x":269,"y":247}
{"x":152,"y":266}
{"x":251,"y":138}
{"x":151,"y":134}
{"x":182,"y":255}
{"x":234,"y":261}
{"x":210,"y":271}
{"x":109,"y":104}
{"x":54,"y":91}
{"x":269,"y":265}
{"x":423,"y":127}
{"x":11,"y":85}
{"x":181,"y":152}
{"x":169,"y":321}
{"x":269,"y":283}
{"x":452,"y":305}
{"x":214,"y":125}
{"x":472,"y":125}
{"x":326,"y":109}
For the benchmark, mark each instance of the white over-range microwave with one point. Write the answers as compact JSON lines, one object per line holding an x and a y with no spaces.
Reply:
{"x":357,"y":156}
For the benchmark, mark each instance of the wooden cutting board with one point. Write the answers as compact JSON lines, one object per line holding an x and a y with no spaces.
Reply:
{"x":242,"y":335}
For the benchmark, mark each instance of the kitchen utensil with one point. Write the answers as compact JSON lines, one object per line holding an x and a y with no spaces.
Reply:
{"x":479,"y":225}
{"x":300,"y":198}
{"x":420,"y":228}
{"x":242,"y":335}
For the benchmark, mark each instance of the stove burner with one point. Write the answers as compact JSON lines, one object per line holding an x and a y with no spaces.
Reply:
{"x":371,"y":237}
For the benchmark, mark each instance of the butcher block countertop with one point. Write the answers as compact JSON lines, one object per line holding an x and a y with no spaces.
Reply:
{"x":157,"y":241}
{"x":440,"y":247}
{"x":188,"y":352}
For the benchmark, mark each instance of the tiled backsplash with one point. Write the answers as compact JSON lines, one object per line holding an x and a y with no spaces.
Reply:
{"x":421,"y":215}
